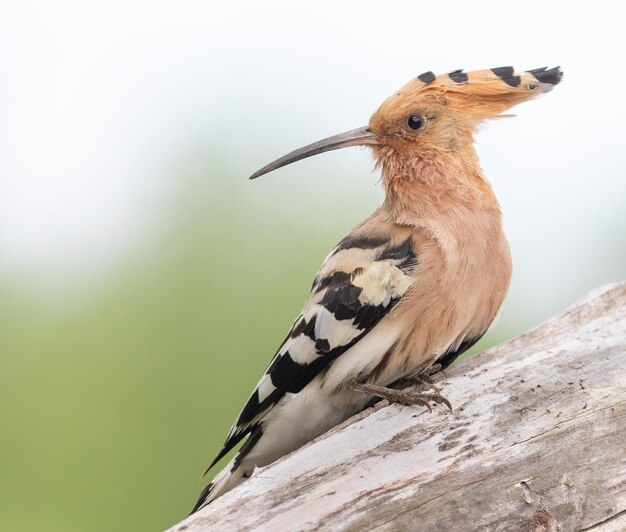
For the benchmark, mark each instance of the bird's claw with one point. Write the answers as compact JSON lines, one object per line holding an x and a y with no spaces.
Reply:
{"x":405,"y":397}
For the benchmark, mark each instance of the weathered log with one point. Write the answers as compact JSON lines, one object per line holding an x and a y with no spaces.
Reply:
{"x":536,"y":441}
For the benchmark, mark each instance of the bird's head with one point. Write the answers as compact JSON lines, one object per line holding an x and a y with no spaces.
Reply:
{"x":434,"y":114}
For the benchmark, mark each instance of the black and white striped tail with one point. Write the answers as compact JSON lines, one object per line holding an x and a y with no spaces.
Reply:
{"x":225,"y":480}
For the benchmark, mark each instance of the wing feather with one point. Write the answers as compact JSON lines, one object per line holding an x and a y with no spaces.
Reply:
{"x":360,"y":282}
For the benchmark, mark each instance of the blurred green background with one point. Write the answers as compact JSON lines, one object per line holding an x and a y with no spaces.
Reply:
{"x":145,"y":283}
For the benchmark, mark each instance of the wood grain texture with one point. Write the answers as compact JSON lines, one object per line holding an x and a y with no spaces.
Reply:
{"x":537,"y":441}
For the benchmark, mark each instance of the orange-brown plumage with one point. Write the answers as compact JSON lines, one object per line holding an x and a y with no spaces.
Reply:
{"x":413,"y":285}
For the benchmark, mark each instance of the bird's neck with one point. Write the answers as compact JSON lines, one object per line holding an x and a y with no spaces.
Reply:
{"x":445,"y":194}
{"x":429,"y":183}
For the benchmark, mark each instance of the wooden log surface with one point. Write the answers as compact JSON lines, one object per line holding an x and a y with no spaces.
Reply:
{"x":536,"y":441}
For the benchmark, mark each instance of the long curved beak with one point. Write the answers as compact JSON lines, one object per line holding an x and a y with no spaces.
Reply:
{"x":357,"y":137}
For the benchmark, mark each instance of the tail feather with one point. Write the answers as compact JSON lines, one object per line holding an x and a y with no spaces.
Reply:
{"x":229,"y":477}
{"x":204,"y":494}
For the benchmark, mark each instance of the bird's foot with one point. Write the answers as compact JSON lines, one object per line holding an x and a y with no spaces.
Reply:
{"x":405,"y":397}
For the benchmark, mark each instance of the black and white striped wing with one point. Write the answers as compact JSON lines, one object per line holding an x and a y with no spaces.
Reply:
{"x":359,"y":283}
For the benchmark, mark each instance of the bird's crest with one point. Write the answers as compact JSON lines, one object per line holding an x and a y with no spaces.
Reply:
{"x":479,"y":94}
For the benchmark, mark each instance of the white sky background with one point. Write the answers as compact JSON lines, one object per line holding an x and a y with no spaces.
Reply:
{"x":97,"y":103}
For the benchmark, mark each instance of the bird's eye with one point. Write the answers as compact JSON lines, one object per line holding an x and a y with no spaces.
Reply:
{"x":415,"y":121}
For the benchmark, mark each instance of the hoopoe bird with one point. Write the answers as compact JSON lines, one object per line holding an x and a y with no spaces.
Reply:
{"x":411,"y":287}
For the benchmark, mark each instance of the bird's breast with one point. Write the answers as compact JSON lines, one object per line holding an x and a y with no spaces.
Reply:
{"x":461,"y":279}
{"x":459,"y":287}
